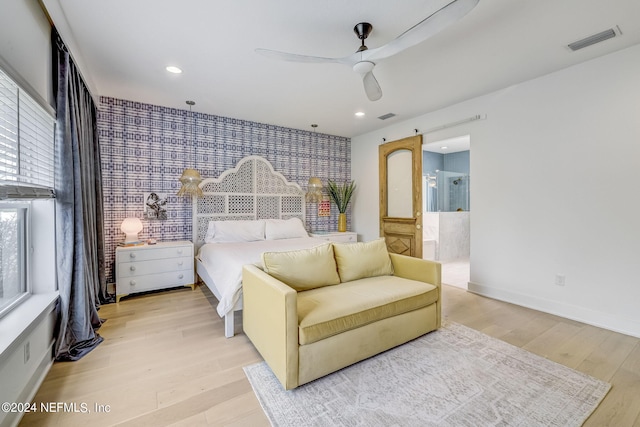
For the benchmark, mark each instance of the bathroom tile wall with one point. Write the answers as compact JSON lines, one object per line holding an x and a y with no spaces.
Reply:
{"x":146,"y":147}
{"x":457,"y":162}
{"x":454,"y":162}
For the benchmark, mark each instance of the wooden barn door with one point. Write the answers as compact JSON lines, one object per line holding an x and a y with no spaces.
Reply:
{"x":400,"y":164}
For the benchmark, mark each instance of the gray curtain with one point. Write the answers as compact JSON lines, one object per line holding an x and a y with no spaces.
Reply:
{"x":79,"y":211}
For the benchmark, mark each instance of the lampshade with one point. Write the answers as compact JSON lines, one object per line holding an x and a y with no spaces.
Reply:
{"x":190,"y":180}
{"x":131,"y":227}
{"x":314,"y":190}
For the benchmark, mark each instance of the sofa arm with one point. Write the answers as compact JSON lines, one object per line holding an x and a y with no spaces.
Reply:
{"x":412,"y":268}
{"x":422,"y":270}
{"x":270,"y":320}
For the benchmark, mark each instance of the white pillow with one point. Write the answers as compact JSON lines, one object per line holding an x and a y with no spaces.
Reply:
{"x":211,"y":231}
{"x":284,"y":229}
{"x":235,"y":231}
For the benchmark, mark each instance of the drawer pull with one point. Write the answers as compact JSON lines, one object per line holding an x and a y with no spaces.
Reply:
{"x":179,"y":251}
{"x":180,"y":276}
{"x":132,"y":255}
{"x":132,"y":268}
{"x":180,"y":262}
{"x":132,"y":282}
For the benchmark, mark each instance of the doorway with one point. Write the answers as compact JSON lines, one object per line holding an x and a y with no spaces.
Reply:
{"x":447,"y":207}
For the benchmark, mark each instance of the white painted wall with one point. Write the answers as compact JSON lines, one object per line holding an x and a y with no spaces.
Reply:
{"x":26,"y":333}
{"x":25,"y":47}
{"x":554,"y":188}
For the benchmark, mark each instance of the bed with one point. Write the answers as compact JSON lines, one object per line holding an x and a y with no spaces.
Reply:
{"x":247,"y":210}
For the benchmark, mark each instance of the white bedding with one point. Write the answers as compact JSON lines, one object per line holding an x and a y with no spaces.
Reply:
{"x":224,"y":261}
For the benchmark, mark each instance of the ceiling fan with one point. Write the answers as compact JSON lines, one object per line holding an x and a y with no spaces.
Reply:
{"x":364,"y":59}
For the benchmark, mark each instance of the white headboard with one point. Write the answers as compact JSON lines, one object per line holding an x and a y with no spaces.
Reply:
{"x":251,"y":190}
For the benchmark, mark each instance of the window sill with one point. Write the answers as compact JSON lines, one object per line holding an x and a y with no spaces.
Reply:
{"x":18,"y":322}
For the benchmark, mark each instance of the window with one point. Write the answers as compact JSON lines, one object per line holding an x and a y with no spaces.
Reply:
{"x":13,"y":254}
{"x":26,"y":173}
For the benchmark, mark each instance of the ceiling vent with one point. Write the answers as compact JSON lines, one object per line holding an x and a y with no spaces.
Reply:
{"x":591,"y":40}
{"x":386,"y":116}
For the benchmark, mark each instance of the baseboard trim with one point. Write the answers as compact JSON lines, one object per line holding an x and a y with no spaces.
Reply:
{"x":31,"y":388}
{"x":568,"y":311}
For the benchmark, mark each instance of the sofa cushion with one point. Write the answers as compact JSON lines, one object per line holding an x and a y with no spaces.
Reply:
{"x":365,"y":259}
{"x":303,"y":269}
{"x":332,"y":310}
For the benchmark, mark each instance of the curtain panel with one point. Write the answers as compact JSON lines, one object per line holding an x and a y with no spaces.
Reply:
{"x":79,"y":210}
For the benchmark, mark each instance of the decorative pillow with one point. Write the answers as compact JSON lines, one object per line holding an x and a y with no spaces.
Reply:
{"x":360,"y":260}
{"x":235,"y":231}
{"x":303,"y":269}
{"x":284,"y":229}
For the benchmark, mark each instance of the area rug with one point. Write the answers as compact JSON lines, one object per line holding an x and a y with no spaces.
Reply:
{"x":455,"y":376}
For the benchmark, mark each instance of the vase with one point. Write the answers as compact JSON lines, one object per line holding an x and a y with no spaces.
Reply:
{"x":342,"y":222}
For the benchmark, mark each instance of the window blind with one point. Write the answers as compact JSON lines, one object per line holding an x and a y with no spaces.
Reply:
{"x":26,"y":144}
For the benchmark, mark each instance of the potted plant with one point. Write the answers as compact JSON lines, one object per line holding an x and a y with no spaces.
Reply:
{"x":341,"y":195}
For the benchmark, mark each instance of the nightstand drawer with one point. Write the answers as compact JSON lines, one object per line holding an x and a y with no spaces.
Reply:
{"x":141,"y":268}
{"x":149,"y":282}
{"x":139,"y":254}
{"x":344,"y":238}
{"x":338,"y":237}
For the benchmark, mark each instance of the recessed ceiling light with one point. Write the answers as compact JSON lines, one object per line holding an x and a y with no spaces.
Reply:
{"x":444,"y":147}
{"x":174,"y":70}
{"x":359,"y":114}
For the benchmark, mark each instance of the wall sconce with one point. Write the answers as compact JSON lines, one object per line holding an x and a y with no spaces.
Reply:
{"x":190,"y":180}
{"x":431,"y":180}
{"x":131,"y":227}
{"x":314,"y":190}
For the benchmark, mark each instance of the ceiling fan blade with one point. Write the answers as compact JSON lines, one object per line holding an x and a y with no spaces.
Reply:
{"x":426,"y":28}
{"x":294,"y":57}
{"x":371,"y":86}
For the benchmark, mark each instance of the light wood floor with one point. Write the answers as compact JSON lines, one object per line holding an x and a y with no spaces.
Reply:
{"x":164,"y":361}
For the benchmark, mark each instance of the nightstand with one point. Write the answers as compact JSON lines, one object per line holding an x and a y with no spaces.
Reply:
{"x":337,"y":236}
{"x":150,"y":267}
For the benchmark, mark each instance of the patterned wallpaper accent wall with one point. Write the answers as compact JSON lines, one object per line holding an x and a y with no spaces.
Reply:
{"x":146,"y":147}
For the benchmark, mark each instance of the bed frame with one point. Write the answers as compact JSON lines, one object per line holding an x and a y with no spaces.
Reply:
{"x":249,"y":191}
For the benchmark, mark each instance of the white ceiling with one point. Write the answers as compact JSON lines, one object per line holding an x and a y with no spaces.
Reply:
{"x":123,"y":47}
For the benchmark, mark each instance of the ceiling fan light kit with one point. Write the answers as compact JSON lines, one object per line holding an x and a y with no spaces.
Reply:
{"x":363,"y":67}
{"x":364,"y":60}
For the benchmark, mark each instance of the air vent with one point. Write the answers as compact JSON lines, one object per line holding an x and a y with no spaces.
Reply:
{"x":591,"y":40}
{"x":386,"y":116}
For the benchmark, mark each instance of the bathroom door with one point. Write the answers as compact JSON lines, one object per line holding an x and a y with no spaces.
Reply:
{"x":400,"y":167}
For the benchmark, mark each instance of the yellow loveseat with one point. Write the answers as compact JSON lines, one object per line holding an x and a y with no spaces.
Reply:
{"x":312,"y":312}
